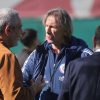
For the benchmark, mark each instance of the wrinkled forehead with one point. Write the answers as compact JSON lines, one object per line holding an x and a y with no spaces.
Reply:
{"x":18,"y":21}
{"x":15,"y":21}
{"x":52,"y":20}
{"x":56,"y":17}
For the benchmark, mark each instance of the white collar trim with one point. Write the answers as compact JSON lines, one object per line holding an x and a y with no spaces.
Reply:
{"x":97,"y":50}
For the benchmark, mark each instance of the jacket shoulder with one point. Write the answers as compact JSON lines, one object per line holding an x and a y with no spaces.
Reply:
{"x":79,"y":42}
{"x":42,"y":48}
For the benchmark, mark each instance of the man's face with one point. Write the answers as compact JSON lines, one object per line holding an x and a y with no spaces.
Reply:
{"x":54,"y":33}
{"x":14,"y":34}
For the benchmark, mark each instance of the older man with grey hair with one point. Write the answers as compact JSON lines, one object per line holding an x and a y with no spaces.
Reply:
{"x":11,"y":81}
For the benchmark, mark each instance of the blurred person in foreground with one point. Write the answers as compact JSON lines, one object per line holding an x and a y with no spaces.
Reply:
{"x":51,"y":58}
{"x":82,"y":78}
{"x":11,"y":81}
{"x":29,"y":40}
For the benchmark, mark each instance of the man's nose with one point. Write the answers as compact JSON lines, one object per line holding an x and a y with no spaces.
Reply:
{"x":48,"y":30}
{"x":20,"y":32}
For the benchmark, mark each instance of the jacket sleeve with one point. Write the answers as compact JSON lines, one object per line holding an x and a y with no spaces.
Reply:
{"x":11,"y":84}
{"x":28,"y":68}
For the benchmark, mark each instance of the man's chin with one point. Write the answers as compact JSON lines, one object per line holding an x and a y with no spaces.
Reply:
{"x":49,"y":41}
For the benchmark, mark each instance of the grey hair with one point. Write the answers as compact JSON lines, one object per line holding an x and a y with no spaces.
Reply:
{"x":62,"y":18}
{"x":8,"y":16}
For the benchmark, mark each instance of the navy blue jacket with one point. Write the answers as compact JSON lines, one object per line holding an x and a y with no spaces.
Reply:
{"x":36,"y":62}
{"x":82,"y":79}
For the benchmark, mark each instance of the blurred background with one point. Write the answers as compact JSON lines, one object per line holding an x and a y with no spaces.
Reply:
{"x":85,"y":16}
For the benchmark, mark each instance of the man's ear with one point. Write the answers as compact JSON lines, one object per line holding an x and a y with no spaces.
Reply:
{"x":94,"y":41}
{"x":7,"y":30}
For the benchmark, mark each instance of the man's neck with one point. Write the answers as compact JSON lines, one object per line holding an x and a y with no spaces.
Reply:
{"x":56,"y":48}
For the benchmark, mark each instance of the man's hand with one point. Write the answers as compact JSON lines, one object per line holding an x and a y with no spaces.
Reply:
{"x":38,"y":84}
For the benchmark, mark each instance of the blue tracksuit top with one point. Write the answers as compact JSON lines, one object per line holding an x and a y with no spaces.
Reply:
{"x":43,"y":61}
